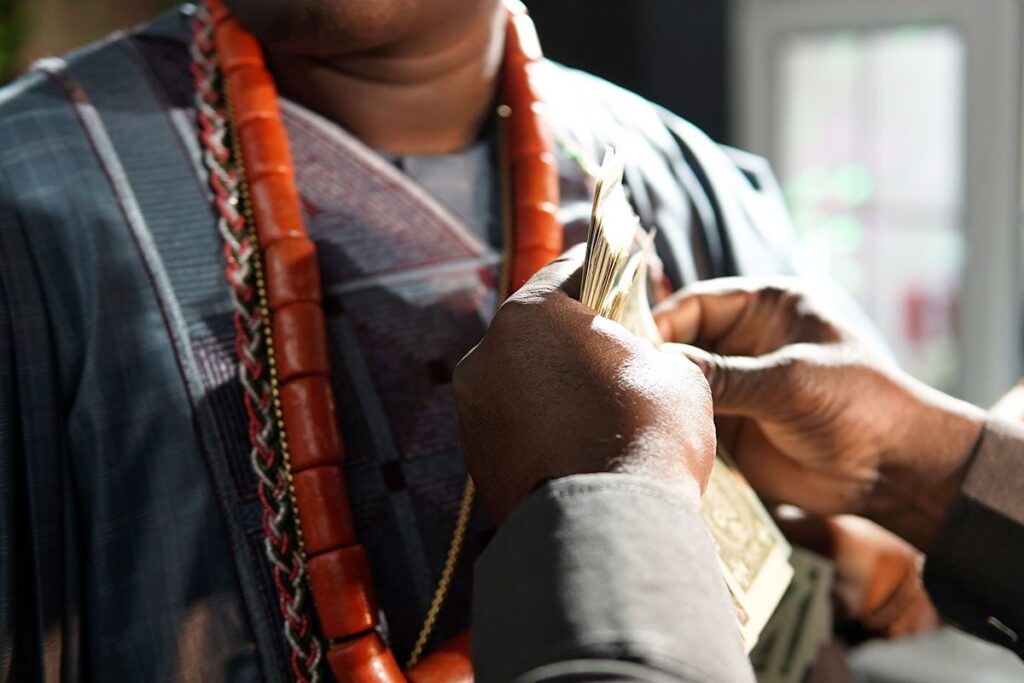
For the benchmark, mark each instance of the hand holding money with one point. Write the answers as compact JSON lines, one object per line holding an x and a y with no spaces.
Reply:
{"x":533,"y":407}
{"x":581,"y":387}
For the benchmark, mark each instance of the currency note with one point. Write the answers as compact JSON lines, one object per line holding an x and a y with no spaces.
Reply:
{"x":753,"y":554}
{"x":802,"y":624}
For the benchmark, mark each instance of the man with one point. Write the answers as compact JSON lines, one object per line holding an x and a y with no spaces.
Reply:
{"x":602,"y":569}
{"x":133,"y":534}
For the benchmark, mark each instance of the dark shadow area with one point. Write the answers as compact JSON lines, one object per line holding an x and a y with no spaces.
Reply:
{"x":672,"y":52}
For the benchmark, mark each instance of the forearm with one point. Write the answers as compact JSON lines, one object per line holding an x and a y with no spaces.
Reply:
{"x":951,"y":485}
{"x":596,"y":572}
{"x":973,"y":570}
{"x":921,"y":475}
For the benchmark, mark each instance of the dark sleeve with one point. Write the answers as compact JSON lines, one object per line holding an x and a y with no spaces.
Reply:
{"x":604,"y":577}
{"x":39,"y":614}
{"x":8,"y":446}
{"x":974,"y":571}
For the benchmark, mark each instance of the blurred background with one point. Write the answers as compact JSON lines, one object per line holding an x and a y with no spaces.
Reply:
{"x":895,"y":129}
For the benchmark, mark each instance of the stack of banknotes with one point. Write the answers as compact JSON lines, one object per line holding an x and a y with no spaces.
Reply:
{"x":802,"y":623}
{"x":752,"y":552}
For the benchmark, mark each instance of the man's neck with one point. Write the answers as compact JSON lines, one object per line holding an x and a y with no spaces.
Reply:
{"x":427,"y":96}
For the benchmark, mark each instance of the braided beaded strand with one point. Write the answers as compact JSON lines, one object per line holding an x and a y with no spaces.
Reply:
{"x":282,"y":340}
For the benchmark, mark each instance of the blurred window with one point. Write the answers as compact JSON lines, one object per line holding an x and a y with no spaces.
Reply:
{"x":870,"y":154}
{"x":895,"y":128}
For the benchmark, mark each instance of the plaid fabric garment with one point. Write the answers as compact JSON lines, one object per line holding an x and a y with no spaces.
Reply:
{"x":130,"y":539}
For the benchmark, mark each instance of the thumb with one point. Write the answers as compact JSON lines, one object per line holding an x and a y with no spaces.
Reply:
{"x":740,"y":385}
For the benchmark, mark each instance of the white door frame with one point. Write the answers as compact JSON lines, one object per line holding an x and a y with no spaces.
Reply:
{"x":991,"y":313}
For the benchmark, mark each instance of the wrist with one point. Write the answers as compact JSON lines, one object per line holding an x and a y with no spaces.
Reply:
{"x":680,"y":465}
{"x":937,"y":435}
{"x":648,"y":453}
{"x":923,"y":470}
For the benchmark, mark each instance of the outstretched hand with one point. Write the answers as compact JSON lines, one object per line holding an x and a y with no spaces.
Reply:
{"x":817,"y":420}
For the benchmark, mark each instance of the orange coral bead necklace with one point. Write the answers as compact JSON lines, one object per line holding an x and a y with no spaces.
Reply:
{"x":281,"y":340}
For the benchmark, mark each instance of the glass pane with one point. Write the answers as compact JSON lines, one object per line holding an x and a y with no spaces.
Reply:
{"x":870,"y":138}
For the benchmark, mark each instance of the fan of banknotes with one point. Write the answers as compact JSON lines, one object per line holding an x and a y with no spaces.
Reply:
{"x":752,"y":552}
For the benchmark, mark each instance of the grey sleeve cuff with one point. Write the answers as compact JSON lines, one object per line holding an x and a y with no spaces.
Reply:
{"x":598,"y":569}
{"x":973,"y":571}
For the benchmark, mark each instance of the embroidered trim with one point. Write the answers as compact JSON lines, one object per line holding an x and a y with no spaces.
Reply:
{"x":242,"y":269}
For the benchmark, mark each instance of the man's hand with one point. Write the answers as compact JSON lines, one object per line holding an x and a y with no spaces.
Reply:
{"x":818,"y":421}
{"x":554,"y":390}
{"x":878,"y":580}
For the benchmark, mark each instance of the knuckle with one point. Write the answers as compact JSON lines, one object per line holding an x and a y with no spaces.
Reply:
{"x":789,"y":373}
{"x":462,"y":376}
{"x":521,"y":308}
{"x":773,"y":293}
{"x":782,"y":290}
{"x":514,"y":306}
{"x":691,"y":374}
{"x":798,"y":379}
{"x":513,"y":317}
{"x":695,"y":375}
{"x":720,"y":380}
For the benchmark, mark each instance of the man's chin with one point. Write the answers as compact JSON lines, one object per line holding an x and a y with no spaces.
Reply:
{"x":326,"y":28}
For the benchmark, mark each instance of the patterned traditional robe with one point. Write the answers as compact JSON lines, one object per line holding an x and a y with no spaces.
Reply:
{"x":130,"y":538}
